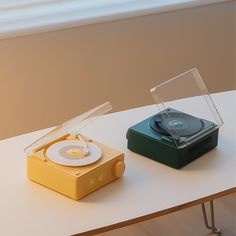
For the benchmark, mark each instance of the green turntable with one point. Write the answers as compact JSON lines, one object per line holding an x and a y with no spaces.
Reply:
{"x":186,"y":126}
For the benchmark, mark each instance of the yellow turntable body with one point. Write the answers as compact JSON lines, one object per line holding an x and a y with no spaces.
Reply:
{"x":76,"y":181}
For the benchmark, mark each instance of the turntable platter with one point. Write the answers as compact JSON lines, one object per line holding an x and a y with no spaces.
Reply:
{"x":181,"y":123}
{"x":70,"y":153}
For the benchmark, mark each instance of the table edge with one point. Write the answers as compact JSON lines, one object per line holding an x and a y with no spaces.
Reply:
{"x":157,"y":214}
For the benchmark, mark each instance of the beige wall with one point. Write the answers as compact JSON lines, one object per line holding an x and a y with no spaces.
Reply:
{"x":50,"y":77}
{"x":234,"y":6}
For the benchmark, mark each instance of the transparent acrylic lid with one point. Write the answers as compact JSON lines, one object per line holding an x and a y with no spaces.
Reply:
{"x":186,"y":109}
{"x":69,"y":127}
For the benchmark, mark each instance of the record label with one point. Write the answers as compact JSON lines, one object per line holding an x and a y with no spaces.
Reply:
{"x":70,"y":153}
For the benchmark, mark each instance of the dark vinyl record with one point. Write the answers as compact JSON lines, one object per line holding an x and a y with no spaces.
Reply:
{"x":182,"y":123}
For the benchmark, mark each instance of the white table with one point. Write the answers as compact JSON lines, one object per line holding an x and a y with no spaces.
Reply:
{"x":148,"y":189}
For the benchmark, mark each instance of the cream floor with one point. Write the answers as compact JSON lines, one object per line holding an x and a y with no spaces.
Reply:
{"x":188,"y":222}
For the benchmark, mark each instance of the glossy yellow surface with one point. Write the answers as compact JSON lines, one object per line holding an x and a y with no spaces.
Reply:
{"x":76,"y":182}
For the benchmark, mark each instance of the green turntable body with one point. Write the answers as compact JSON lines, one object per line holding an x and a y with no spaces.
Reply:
{"x":142,"y":139}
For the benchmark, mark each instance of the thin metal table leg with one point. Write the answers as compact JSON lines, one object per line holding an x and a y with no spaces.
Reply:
{"x":213,"y":229}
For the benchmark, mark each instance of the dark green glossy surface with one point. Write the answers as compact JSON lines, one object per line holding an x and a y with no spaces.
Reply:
{"x":145,"y":141}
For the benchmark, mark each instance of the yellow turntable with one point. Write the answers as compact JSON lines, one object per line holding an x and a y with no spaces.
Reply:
{"x":72,"y":164}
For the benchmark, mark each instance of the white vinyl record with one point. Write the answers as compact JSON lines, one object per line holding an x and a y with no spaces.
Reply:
{"x":70,"y":153}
